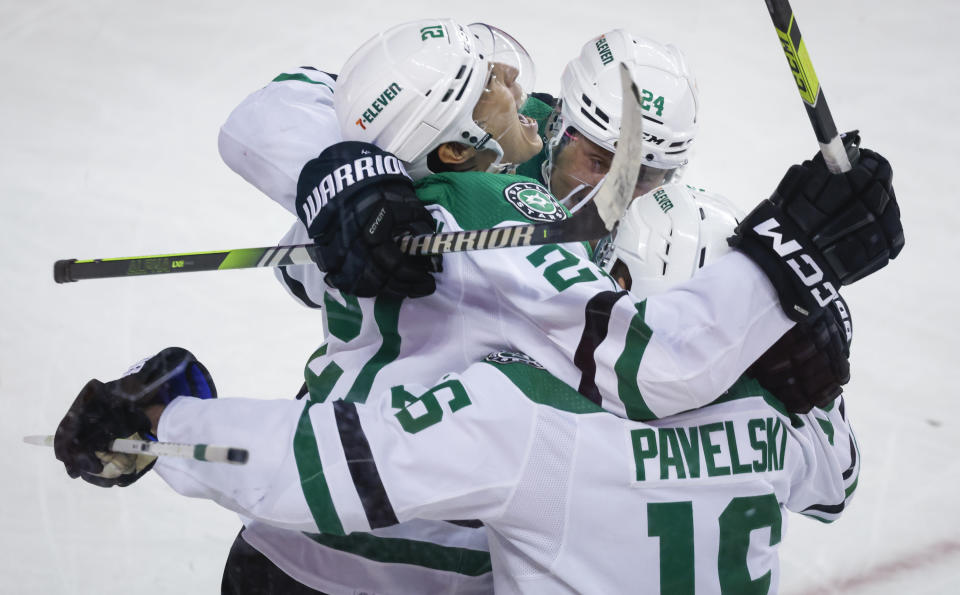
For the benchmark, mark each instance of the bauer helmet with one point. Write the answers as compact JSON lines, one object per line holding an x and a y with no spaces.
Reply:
{"x":591,"y":95}
{"x":667,"y":235}
{"x":414,"y":87}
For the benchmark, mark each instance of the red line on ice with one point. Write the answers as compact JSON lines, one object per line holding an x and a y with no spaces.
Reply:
{"x":932,"y":554}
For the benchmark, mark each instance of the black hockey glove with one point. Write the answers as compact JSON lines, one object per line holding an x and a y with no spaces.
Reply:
{"x":820,"y":230}
{"x":354,"y":200}
{"x":103,"y":412}
{"x":809,"y":365}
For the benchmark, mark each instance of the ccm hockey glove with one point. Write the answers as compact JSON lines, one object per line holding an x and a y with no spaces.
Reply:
{"x":103,"y":412}
{"x":809,"y":365}
{"x":820,"y":230}
{"x":354,"y":200}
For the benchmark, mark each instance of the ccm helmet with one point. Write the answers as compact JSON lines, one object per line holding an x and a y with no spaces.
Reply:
{"x":667,"y":235}
{"x":413,"y":87}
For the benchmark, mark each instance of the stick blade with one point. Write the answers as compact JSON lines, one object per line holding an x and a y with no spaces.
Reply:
{"x":616,"y":193}
{"x":39,"y":440}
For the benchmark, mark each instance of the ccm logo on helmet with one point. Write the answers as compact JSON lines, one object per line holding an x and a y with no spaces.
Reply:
{"x":346,"y":175}
{"x":802,"y":264}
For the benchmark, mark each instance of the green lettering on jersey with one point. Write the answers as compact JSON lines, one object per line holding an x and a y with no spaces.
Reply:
{"x":710,"y":450}
{"x":343,"y":320}
{"x":555,"y":273}
{"x":320,"y":383}
{"x":690,"y":445}
{"x":759,"y":445}
{"x":783,"y":444}
{"x":670,"y":454}
{"x":735,"y":464}
{"x":644,"y":447}
{"x":672,"y":522}
{"x":418,"y":413}
{"x":739,"y":519}
{"x":774,"y":426}
{"x":415,"y":413}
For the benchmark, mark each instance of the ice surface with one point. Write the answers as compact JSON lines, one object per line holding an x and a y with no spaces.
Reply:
{"x":110,"y":111}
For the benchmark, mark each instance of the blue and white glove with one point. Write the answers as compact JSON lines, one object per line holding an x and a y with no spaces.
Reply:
{"x":103,"y":412}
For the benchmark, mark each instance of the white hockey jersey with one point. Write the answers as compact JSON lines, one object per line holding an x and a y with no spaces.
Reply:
{"x":642,"y":360}
{"x":576,"y":500}
{"x":670,"y":353}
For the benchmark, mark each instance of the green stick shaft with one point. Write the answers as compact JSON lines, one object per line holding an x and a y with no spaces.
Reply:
{"x":65,"y":271}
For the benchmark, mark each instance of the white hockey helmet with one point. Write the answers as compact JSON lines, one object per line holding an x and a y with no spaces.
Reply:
{"x":414,"y":87}
{"x":667,"y":235}
{"x":590,"y":95}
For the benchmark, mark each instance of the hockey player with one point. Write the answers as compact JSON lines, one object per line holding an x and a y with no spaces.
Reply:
{"x":516,"y":300}
{"x":581,"y":128}
{"x":507,"y":443}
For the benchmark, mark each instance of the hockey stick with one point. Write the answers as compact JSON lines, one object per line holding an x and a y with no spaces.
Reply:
{"x":592,"y":222}
{"x":198,"y":452}
{"x":831,"y":145}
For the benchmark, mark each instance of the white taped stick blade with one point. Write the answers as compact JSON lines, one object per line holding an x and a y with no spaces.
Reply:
{"x":199,"y":452}
{"x":616,"y":191}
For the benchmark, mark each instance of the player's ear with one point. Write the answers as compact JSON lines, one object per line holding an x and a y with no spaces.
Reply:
{"x":621,"y":273}
{"x":455,"y":155}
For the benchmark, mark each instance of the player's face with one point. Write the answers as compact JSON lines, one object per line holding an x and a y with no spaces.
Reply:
{"x":497,"y":112}
{"x":580,"y":165}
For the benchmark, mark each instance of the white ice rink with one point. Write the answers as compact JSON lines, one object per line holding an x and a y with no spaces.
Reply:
{"x":110,"y":111}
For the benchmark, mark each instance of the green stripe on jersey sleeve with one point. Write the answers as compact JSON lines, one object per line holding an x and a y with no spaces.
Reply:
{"x":628,"y":366}
{"x":392,"y":550}
{"x":540,"y":386}
{"x":312,"y":479}
{"x":745,"y":388}
{"x":299,"y":76}
{"x":386,"y":313}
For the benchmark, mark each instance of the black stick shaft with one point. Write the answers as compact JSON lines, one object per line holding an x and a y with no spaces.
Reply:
{"x":808,"y":85}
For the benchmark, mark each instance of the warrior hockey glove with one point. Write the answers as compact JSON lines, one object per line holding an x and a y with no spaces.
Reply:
{"x":354,"y":200}
{"x":103,"y":412}
{"x":820,"y":231}
{"x":809,"y":365}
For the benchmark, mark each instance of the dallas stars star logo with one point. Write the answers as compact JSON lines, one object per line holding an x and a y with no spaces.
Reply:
{"x":534,"y":202}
